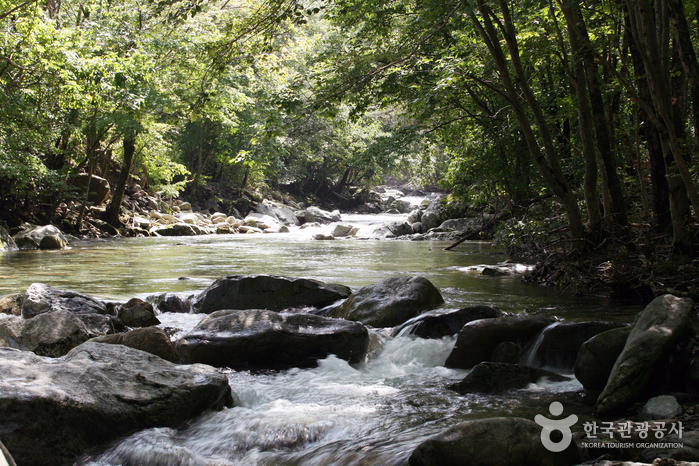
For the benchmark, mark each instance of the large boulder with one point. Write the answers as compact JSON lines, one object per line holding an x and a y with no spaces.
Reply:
{"x":53,"y":410}
{"x":179,"y":229}
{"x":137,"y":313}
{"x":266,"y":292}
{"x":438,"y":325}
{"x":6,"y":241}
{"x":663,"y":323}
{"x":478,"y":339}
{"x":51,"y":334}
{"x":493,"y":441}
{"x":597,"y":356}
{"x":558,"y":346}
{"x":41,"y":298}
{"x":390,"y":302}
{"x":152,"y":340}
{"x":40,"y":237}
{"x":434,"y":215}
{"x":497,"y":377}
{"x":99,"y":187}
{"x":257,"y":339}
{"x":316,"y":214}
{"x":282,"y":213}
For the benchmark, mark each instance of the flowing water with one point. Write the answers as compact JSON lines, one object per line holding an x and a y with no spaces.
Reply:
{"x":335,"y":414}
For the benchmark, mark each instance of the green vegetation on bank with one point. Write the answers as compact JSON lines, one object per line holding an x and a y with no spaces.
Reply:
{"x":592,"y":108}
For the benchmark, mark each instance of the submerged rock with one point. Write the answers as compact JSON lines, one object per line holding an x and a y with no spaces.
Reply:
{"x":56,"y":409}
{"x":448,"y":323}
{"x":41,"y":298}
{"x":478,"y":339}
{"x":497,"y":377}
{"x":665,"y":321}
{"x":495,"y":441}
{"x":266,"y":292}
{"x":257,"y":339}
{"x":390,"y":302}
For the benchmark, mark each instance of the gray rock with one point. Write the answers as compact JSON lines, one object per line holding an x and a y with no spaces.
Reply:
{"x":137,"y":313}
{"x":497,"y":377}
{"x":665,"y":321}
{"x":40,"y":237}
{"x":152,"y":340}
{"x":494,"y":441}
{"x":257,"y":339}
{"x":41,"y":298}
{"x":178,"y":229}
{"x":597,"y":356}
{"x":171,"y":302}
{"x":560,"y":343}
{"x":417,"y":227}
{"x":282,"y":213}
{"x":440,"y":325}
{"x":688,"y":452}
{"x":390,"y":302}
{"x":315,"y":214}
{"x":434,"y":215}
{"x":51,"y":334}
{"x":56,"y":409}
{"x":342,"y":229}
{"x":12,"y":304}
{"x":322,"y":237}
{"x":401,"y":229}
{"x":462,"y":224}
{"x":414,"y":216}
{"x":478,"y":339}
{"x":507,"y":351}
{"x":6,"y":241}
{"x":266,"y":292}
{"x":496,"y":271}
{"x":660,"y":407}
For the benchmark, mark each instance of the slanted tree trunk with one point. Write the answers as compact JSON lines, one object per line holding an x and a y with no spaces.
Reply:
{"x":129,"y":144}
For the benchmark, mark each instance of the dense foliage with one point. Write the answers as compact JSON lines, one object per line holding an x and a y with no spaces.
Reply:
{"x":595,"y":105}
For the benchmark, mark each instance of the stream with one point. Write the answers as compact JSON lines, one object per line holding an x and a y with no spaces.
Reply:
{"x":335,"y":414}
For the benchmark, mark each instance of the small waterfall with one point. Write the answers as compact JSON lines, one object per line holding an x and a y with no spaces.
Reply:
{"x":529,"y":359}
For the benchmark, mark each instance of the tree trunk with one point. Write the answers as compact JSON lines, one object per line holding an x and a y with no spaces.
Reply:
{"x":129,"y":144}
{"x":547,"y":164}
{"x":197,"y":169}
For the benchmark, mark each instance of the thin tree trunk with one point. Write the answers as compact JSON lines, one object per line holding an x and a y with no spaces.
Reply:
{"x":129,"y":144}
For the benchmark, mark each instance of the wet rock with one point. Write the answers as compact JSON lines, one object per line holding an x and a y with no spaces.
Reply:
{"x":342,"y":229}
{"x":433,"y":325}
{"x":478,"y":339}
{"x":266,"y":292}
{"x":315,"y":214}
{"x":12,"y":304}
{"x":41,"y":298}
{"x":494,"y":441}
{"x":687,"y":450}
{"x":401,"y":229}
{"x":597,"y":356}
{"x":280,"y":212}
{"x":56,"y":409}
{"x":390,"y":302}
{"x":495,"y":271}
{"x":152,"y":340}
{"x":560,"y":343}
{"x":664,"y":322}
{"x":660,"y":407}
{"x":507,"y":351}
{"x":497,"y":377}
{"x":40,"y":237}
{"x":138,"y":313}
{"x":171,"y":302}
{"x":257,"y":339}
{"x":178,"y":229}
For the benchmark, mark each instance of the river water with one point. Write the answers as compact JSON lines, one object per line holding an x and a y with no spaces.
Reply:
{"x":335,"y":414}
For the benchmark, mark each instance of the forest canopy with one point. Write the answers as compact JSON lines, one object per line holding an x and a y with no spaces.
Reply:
{"x":595,"y":105}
